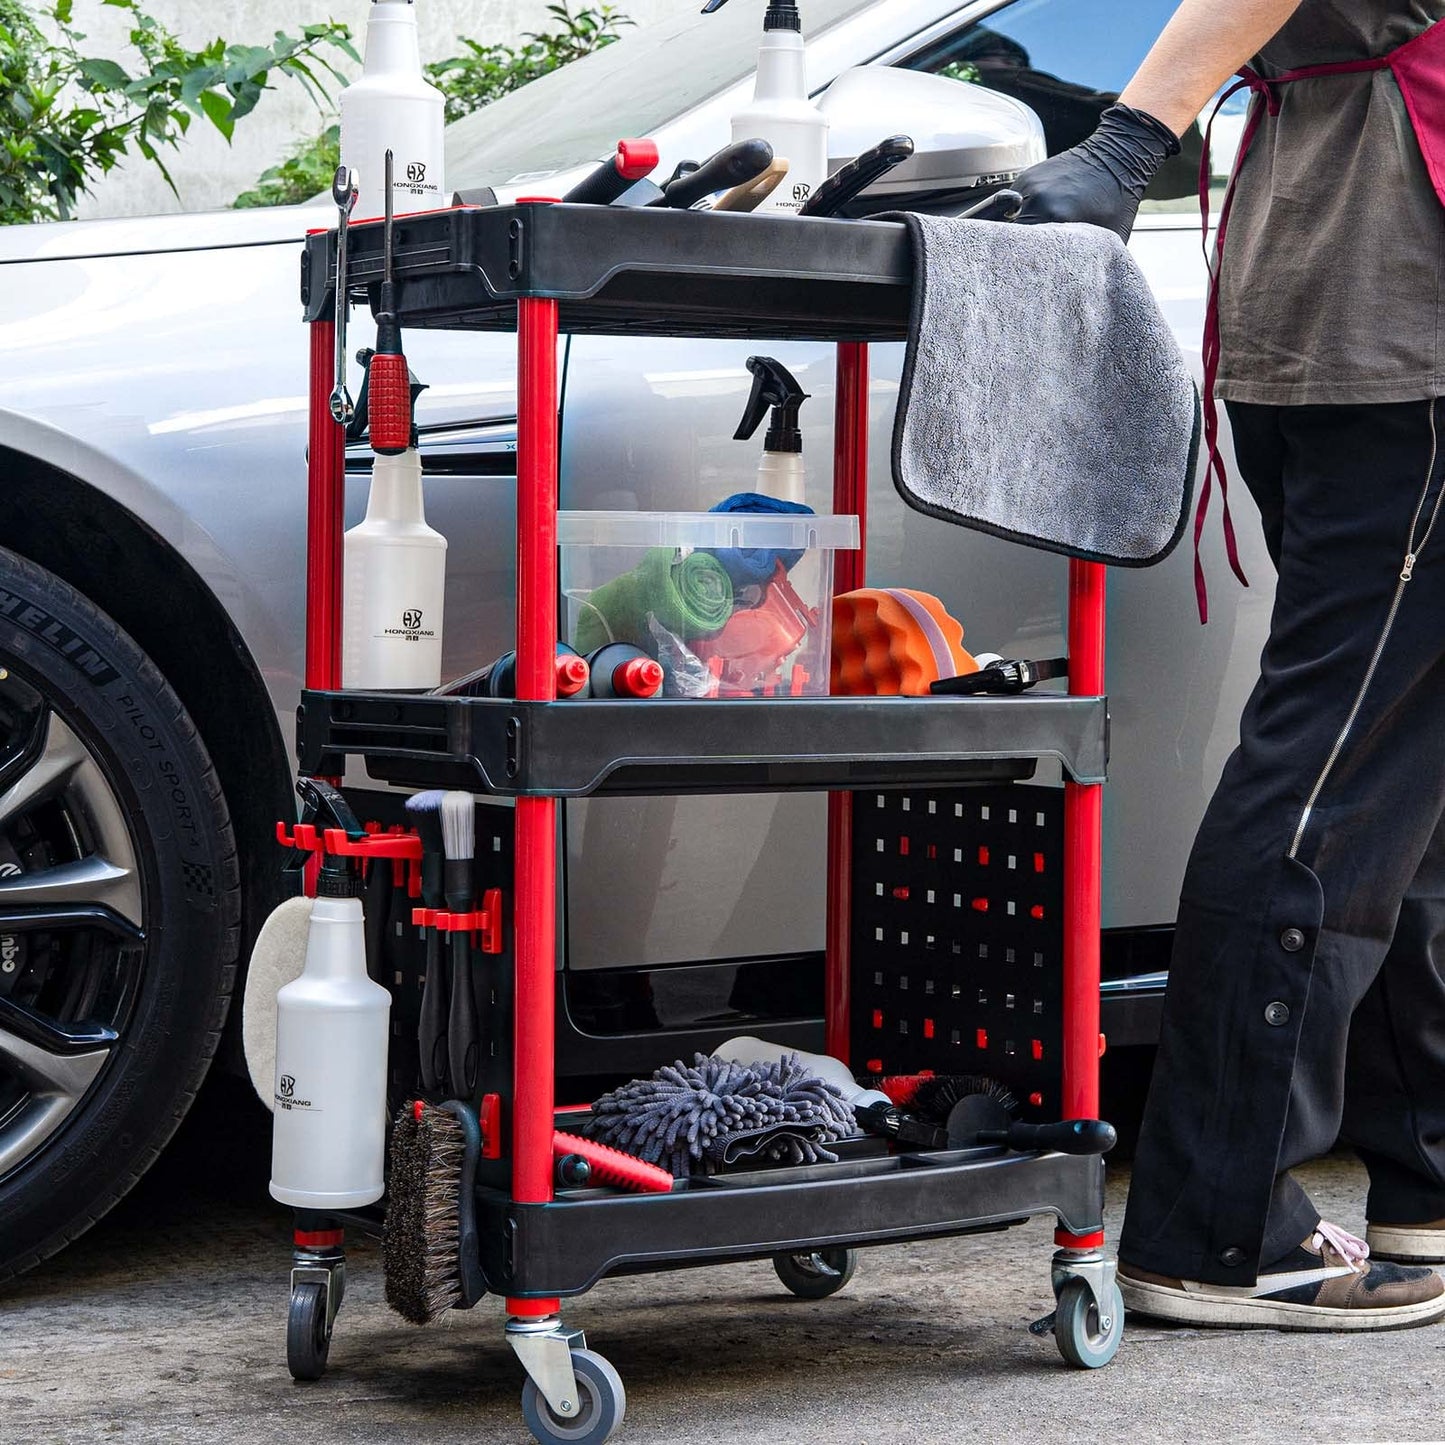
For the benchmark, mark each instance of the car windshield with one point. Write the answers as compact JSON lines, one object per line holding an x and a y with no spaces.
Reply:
{"x":653,"y":74}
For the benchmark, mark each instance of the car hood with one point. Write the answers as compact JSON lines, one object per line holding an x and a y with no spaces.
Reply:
{"x":197,"y":231}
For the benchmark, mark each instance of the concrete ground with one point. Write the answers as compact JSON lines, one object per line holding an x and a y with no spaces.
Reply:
{"x":167,"y":1322}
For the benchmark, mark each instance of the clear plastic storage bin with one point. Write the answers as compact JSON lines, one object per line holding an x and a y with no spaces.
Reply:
{"x":732,"y":604}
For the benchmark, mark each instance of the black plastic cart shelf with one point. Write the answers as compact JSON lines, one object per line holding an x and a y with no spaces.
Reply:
{"x":619,"y":270}
{"x":565,"y":1247}
{"x":572,"y":748}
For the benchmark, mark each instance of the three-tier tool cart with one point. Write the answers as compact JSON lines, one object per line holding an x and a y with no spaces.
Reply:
{"x":901,"y":774}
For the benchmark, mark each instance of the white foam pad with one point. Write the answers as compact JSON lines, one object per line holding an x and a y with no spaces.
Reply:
{"x":277,"y":959}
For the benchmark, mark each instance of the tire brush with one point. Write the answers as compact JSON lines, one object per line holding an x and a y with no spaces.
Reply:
{"x":424,"y":811}
{"x":430,"y":1253}
{"x":459,"y":838}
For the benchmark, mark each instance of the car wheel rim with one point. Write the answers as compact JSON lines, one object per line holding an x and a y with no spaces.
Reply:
{"x":72,"y":935}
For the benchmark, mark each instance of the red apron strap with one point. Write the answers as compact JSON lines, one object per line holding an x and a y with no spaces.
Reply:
{"x":1214,"y":462}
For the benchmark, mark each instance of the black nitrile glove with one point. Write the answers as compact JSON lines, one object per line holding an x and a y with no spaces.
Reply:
{"x":1103,"y":180}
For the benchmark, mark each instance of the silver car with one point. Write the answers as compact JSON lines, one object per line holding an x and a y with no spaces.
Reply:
{"x":152,"y":555}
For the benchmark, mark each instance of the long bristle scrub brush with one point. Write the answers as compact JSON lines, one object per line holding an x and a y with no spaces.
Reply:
{"x":425,"y":813}
{"x":459,"y":836}
{"x":430,"y":1253}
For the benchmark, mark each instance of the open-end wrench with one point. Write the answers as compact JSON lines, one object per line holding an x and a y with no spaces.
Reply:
{"x":343,"y":192}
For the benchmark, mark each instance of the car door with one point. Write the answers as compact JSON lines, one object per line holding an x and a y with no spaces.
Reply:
{"x":648,"y":424}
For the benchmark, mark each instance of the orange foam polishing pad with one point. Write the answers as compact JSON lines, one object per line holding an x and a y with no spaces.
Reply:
{"x":891,"y":641}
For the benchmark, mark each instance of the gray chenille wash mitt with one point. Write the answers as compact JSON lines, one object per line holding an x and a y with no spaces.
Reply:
{"x":1044,"y":397}
{"x":695,"y":1118}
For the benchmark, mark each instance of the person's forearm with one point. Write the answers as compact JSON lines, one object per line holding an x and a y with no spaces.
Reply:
{"x":1201,"y":47}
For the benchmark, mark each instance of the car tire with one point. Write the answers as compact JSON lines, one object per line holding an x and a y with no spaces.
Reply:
{"x":119,"y":913}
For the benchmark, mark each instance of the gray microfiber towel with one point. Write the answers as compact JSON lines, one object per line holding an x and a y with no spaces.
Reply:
{"x":696,"y":1118}
{"x":1044,"y":398}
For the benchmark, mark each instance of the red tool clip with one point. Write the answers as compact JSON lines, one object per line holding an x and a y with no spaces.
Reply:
{"x":395,"y":843}
{"x":485,"y":922}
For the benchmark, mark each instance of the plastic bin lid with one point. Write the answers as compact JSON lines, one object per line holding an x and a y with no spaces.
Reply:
{"x":773,"y":531}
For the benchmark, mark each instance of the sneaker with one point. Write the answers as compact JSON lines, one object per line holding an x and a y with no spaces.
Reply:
{"x":1328,"y":1283}
{"x":1408,"y":1243}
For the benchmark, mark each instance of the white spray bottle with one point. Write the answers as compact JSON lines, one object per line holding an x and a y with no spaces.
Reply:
{"x":780,"y":472}
{"x":329,"y":1125}
{"x":394,"y":585}
{"x":781,"y":112}
{"x":393,"y":108}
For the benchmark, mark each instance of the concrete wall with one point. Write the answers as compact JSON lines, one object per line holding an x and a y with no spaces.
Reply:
{"x":209,"y":173}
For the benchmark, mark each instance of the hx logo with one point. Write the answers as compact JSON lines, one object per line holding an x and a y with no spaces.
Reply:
{"x":416,"y":172}
{"x":802,"y":191}
{"x":287,"y":1086}
{"x":411,"y":619}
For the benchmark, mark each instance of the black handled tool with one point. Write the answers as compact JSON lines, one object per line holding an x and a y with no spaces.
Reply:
{"x":1007,"y":677}
{"x":388,"y":379}
{"x":464,"y":1044}
{"x":731,"y":166}
{"x":1003,"y":205}
{"x":1072,"y":1136}
{"x":344,"y":193}
{"x":853,"y":179}
{"x":634,"y":160}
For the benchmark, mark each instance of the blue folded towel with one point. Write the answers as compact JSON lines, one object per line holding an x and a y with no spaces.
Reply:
{"x":754,"y":566}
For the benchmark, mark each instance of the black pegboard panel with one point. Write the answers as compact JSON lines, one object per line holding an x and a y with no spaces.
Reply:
{"x":957,"y":936}
{"x":403,"y":969}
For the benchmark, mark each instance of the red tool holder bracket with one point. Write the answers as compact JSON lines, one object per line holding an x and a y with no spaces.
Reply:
{"x":484,"y":922}
{"x":395,"y":843}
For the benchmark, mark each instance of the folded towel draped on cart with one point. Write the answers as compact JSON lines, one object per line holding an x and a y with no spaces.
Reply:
{"x":1044,"y":397}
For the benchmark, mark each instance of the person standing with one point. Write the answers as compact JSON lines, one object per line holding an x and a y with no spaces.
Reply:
{"x":1306,"y":997}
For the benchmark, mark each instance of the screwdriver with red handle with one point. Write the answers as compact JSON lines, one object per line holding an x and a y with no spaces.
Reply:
{"x":389,"y":392}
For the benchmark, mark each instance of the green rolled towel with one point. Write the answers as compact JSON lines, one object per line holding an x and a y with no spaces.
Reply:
{"x":691,"y":596}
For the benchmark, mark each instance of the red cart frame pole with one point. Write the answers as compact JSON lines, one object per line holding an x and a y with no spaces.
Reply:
{"x":535,"y":908}
{"x":850,"y":497}
{"x":1083,"y":875}
{"x":325,"y":517}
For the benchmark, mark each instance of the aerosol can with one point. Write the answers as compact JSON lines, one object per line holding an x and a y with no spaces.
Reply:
{"x":393,"y":108}
{"x":332,"y":1023}
{"x":781,"y":112}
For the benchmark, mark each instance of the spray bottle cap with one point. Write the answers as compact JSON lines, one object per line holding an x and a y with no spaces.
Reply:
{"x":782,"y":14}
{"x":776,"y":387}
{"x":325,"y":807}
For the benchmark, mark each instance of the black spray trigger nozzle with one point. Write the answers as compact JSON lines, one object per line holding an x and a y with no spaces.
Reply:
{"x":775,"y":388}
{"x":782,"y":14}
{"x":325,"y":807}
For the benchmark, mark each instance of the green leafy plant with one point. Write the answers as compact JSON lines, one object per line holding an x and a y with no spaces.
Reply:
{"x":67,"y":117}
{"x":484,"y":72}
{"x":306,"y":172}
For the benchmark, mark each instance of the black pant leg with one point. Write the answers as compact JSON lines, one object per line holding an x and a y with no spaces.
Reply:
{"x":1318,"y":826}
{"x":1395,"y":1067}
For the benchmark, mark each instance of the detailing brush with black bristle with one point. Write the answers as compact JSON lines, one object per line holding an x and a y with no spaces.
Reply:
{"x":430,"y":1254}
{"x":424,"y":810}
{"x":464,"y":1045}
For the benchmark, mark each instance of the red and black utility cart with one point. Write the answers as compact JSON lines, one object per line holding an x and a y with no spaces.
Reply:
{"x":963,"y":909}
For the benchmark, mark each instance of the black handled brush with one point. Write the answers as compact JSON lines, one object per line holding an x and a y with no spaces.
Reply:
{"x":459,"y":836}
{"x":430,"y":1255}
{"x":425,"y":812}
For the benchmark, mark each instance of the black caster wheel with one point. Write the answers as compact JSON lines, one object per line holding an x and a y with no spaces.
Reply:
{"x":816,"y":1275}
{"x":1086,"y":1339}
{"x":601,"y":1404}
{"x":308,"y":1336}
